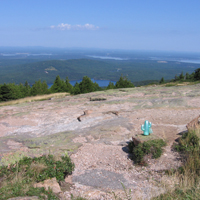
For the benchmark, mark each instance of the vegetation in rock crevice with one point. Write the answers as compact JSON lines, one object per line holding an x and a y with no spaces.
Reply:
{"x":188,"y":175}
{"x":18,"y":179}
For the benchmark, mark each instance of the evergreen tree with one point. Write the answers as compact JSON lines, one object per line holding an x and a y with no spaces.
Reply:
{"x":22,"y":89}
{"x":10,"y":92}
{"x":96,"y":87}
{"x":45,"y":89}
{"x":76,"y":89}
{"x":123,"y":82}
{"x":86,"y":85}
{"x":0,"y":92}
{"x":110,"y":86}
{"x":58,"y":85}
{"x":187,"y":76}
{"x":27,"y":89}
{"x":69,"y":87}
{"x":15,"y":89}
{"x":192,"y":76}
{"x":5,"y":93}
{"x":197,"y":74}
{"x":162,"y":80}
{"x":181,"y":77}
{"x":176,"y":78}
{"x":39,"y":88}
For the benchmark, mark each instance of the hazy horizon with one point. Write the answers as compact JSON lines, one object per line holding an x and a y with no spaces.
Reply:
{"x":54,"y":48}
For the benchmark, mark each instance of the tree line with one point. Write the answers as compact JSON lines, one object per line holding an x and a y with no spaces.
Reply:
{"x":195,"y":76}
{"x":12,"y":91}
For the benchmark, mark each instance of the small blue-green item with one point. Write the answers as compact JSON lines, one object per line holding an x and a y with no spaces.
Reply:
{"x":146,"y":128}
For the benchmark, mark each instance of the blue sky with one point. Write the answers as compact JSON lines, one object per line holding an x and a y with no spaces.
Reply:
{"x":109,"y":24}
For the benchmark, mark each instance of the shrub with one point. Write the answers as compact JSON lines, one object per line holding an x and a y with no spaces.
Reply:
{"x":188,"y":142}
{"x":50,"y":169}
{"x":153,"y":147}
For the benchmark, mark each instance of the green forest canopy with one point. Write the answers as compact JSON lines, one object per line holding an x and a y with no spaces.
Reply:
{"x":76,"y":69}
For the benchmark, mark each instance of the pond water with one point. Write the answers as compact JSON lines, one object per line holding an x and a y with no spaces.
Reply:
{"x":191,"y":61}
{"x":108,"y":57}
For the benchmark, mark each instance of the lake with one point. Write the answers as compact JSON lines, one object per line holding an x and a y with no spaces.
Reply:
{"x":191,"y":61}
{"x":107,"y":57}
{"x":101,"y":83}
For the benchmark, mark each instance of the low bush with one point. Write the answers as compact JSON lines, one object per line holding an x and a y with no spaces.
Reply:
{"x":188,"y":142}
{"x":151,"y":147}
{"x":40,"y":168}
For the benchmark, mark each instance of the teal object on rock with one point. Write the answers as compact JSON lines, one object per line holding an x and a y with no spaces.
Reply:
{"x":146,"y":128}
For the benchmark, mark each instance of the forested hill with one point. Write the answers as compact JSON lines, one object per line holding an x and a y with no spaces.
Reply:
{"x":48,"y":70}
{"x":75,"y":69}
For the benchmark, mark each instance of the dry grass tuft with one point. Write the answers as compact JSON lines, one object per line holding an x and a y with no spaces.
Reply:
{"x":187,"y":184}
{"x":37,"y":167}
{"x":35,"y":98}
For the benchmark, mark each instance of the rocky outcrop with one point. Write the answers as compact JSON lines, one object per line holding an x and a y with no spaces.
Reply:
{"x":136,"y":141}
{"x":194,"y":124}
{"x":50,"y":183}
{"x":98,"y":143}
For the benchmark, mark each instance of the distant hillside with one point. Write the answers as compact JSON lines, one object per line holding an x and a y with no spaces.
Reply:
{"x":75,"y":69}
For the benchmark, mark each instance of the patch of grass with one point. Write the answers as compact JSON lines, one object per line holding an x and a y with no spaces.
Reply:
{"x":170,"y":84}
{"x":181,"y":83}
{"x":189,"y":194}
{"x":18,"y":189}
{"x":188,"y":146}
{"x":34,"y":98}
{"x":12,"y":158}
{"x":151,"y":147}
{"x":188,"y":175}
{"x":18,"y":179}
